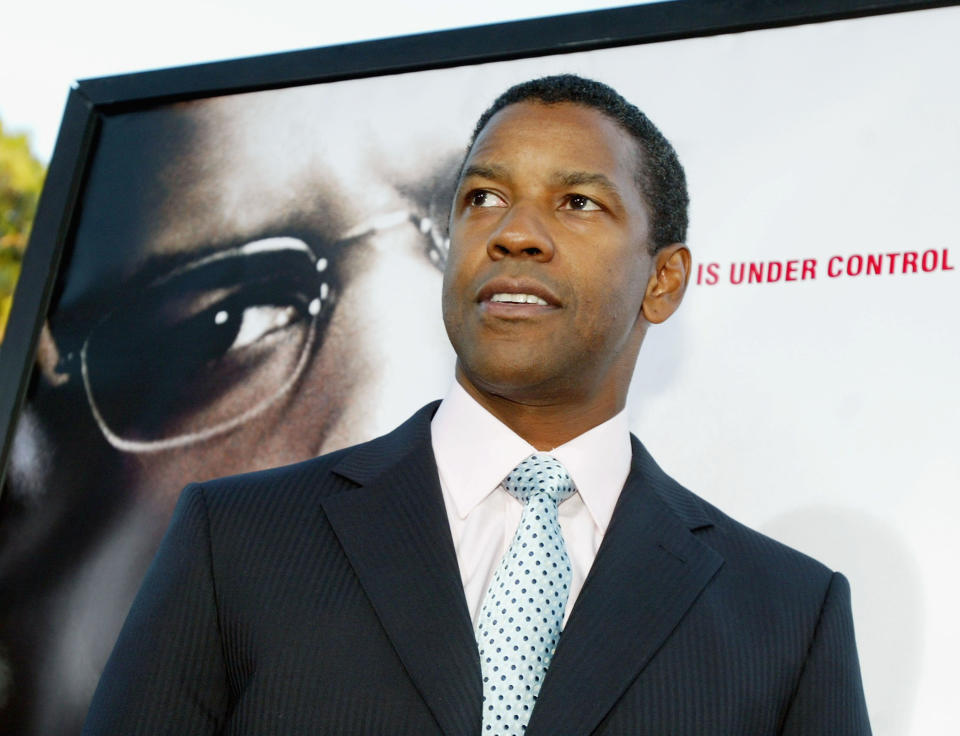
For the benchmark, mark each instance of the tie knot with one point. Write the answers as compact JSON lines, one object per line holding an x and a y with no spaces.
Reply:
{"x":539,"y":474}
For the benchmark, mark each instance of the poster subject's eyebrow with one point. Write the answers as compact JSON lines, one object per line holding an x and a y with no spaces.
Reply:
{"x":107,"y":294}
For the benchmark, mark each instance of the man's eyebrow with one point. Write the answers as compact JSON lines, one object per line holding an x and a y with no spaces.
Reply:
{"x":485,"y":171}
{"x":497,"y":172}
{"x":581,"y":178}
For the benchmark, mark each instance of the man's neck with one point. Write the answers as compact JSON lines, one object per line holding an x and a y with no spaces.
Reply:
{"x":542,"y":421}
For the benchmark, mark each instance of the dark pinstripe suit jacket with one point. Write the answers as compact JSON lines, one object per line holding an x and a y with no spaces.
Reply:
{"x":325,"y":598}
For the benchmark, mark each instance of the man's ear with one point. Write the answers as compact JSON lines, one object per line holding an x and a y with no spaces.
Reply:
{"x":668,"y":282}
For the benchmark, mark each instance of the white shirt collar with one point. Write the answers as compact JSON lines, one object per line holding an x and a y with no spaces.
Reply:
{"x":475,"y":451}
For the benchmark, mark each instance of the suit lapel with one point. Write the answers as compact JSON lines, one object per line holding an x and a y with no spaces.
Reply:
{"x":396,"y":535}
{"x":648,"y":572}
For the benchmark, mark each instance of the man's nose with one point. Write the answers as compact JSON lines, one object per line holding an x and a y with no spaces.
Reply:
{"x":522,"y":233}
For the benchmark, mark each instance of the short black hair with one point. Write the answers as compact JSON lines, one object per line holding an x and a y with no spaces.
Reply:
{"x":659,"y":175}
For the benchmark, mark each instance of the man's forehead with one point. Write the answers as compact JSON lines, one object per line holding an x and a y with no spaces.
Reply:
{"x":590,"y":147}
{"x":521,"y":123}
{"x":572,"y":113}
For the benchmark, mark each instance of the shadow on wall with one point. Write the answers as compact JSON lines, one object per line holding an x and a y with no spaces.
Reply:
{"x":887,"y":600}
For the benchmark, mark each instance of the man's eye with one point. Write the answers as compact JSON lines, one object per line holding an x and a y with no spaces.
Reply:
{"x":580,"y":202}
{"x":484,"y":198}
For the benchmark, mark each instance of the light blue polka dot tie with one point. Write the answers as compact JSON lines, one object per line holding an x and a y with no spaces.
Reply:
{"x":522,"y":613}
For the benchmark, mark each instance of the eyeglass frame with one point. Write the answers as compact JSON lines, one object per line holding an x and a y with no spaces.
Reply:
{"x":436,"y":248}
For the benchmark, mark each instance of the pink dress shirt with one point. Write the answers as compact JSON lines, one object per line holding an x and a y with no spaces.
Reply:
{"x":475,"y":452}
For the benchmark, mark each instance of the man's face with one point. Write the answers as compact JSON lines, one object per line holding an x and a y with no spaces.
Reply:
{"x":549,"y":256}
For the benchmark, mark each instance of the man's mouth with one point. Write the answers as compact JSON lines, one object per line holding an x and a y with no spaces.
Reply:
{"x":518,"y":299}
{"x":516,"y":294}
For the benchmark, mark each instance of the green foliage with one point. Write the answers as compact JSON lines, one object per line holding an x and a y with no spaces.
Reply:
{"x":21,"y":178}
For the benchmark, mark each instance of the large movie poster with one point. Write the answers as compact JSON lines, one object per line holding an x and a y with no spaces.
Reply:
{"x":255,"y":279}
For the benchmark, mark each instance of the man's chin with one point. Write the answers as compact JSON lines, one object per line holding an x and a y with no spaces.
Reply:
{"x":516,"y":383}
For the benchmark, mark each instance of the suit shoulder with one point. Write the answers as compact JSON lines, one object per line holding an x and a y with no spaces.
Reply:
{"x":745,"y":550}
{"x":753,"y":549}
{"x":322,"y":475}
{"x":761,"y":573}
{"x":276,"y":477}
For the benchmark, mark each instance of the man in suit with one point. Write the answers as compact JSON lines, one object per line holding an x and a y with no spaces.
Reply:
{"x":347,"y":594}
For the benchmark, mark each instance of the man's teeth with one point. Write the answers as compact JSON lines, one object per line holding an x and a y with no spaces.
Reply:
{"x":519,"y":299}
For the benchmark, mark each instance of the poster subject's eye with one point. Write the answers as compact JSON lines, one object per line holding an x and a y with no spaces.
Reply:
{"x":208,"y":346}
